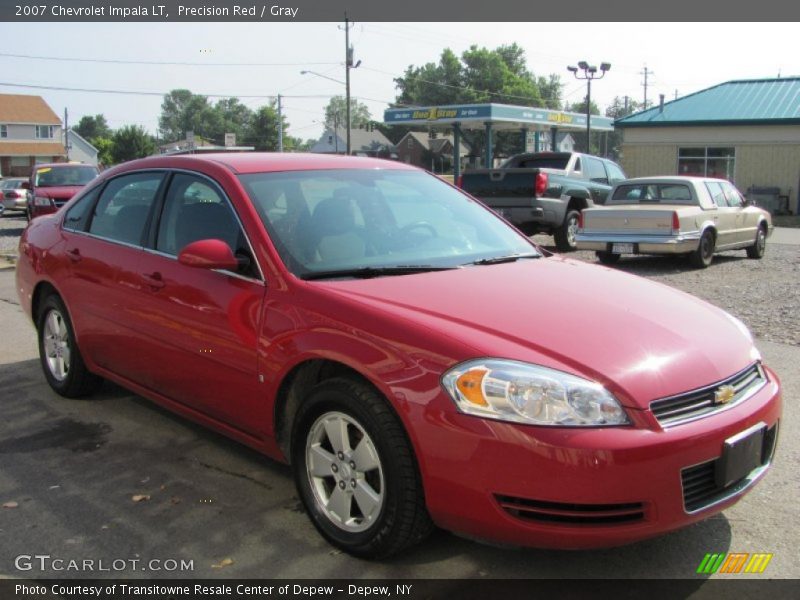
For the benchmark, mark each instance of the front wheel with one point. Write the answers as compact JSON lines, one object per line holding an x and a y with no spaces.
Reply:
{"x":60,"y":357}
{"x":565,"y":235}
{"x":355,"y":471}
{"x":759,"y":246}
{"x":701,"y":258}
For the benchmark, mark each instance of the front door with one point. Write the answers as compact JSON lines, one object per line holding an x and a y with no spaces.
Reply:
{"x":203,"y":324}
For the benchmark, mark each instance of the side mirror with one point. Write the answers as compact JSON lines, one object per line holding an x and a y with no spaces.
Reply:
{"x":26,"y":185}
{"x":208,"y":254}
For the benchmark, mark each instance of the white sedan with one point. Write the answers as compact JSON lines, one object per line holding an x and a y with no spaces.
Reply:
{"x":696,"y":216}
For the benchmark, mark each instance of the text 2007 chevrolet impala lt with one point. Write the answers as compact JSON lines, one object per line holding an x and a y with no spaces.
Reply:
{"x":416,"y":360}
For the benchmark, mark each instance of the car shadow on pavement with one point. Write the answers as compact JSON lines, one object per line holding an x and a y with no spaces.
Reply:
{"x":117,"y":475}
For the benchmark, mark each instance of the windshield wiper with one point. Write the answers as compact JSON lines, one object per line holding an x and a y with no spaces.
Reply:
{"x":496,"y":260}
{"x":369,"y":272}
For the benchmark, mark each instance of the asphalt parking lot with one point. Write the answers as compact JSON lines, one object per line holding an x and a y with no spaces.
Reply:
{"x":70,"y":472}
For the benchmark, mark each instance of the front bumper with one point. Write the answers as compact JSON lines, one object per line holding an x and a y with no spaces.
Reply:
{"x":595,"y":487}
{"x":642,"y":244}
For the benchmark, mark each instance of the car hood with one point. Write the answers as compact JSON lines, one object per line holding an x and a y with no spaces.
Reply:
{"x":60,"y":192}
{"x":642,"y":339}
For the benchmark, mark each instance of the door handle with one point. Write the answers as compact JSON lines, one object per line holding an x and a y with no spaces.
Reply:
{"x":154,"y":280}
{"x":74,"y":255}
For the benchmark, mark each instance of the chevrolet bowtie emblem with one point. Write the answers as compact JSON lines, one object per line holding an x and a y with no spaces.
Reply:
{"x":724,"y":394}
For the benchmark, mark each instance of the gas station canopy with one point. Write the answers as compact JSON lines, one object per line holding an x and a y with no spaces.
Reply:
{"x":494,"y":117}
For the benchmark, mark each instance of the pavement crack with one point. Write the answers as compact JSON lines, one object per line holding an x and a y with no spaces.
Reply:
{"x":11,"y":302}
{"x":233,"y":473}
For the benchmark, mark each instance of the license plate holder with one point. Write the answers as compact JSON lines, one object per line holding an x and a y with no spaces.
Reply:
{"x":741,"y":454}
{"x":622,"y":248}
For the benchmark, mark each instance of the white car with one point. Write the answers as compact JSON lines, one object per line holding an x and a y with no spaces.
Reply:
{"x":13,"y":195}
{"x":696,"y":216}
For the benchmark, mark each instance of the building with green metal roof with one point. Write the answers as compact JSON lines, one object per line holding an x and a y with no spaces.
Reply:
{"x":747,"y":131}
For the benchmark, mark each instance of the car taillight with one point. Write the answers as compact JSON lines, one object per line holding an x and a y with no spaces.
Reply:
{"x":42,"y":201}
{"x":460,"y":182}
{"x":676,"y":223}
{"x":540,"y":187}
{"x":580,"y":220}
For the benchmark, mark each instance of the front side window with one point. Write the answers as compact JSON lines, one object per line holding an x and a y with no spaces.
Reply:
{"x":123,"y":210}
{"x":732,"y":195}
{"x":594,"y":170}
{"x":44,"y":131}
{"x":717,"y":194}
{"x":340,"y":220}
{"x":195,"y":209}
{"x":707,"y":162}
{"x":615,"y":174}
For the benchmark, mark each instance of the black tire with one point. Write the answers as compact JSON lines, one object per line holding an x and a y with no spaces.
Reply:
{"x":392,"y":515}
{"x":760,"y":245}
{"x":565,"y":235}
{"x":702,"y":257}
{"x":607,"y":258}
{"x":67,"y":375}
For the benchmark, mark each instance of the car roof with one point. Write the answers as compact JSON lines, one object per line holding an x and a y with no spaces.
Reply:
{"x":261,"y":162}
{"x":670,"y":179}
{"x":61,"y":164}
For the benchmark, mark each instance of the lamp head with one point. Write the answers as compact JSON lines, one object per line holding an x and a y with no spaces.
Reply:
{"x":583,"y":65}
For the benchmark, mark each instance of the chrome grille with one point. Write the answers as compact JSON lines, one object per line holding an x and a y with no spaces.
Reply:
{"x":701,"y":402}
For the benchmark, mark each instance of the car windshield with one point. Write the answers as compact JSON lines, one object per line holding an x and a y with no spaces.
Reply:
{"x":11,"y":184}
{"x":66,"y":175}
{"x":652,"y":193}
{"x":375,"y":222}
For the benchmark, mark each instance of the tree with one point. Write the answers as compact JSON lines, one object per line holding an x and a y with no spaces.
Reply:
{"x":616,"y":110}
{"x":131,"y":142}
{"x":90,"y":127}
{"x":183,"y":111}
{"x":263,"y":133}
{"x":336,"y":113}
{"x":105,"y":150}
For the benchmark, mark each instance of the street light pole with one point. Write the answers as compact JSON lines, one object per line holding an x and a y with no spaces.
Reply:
{"x":348,"y":62}
{"x":589,"y":73}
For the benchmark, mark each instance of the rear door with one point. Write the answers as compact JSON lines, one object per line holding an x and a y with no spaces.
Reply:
{"x":725,"y":217}
{"x":103,"y":235}
{"x":202,"y":324}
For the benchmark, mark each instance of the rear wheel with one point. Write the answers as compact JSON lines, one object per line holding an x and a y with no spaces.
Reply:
{"x":565,"y":235}
{"x":59,"y":354}
{"x":355,"y":471}
{"x":760,"y":245}
{"x":607,"y":258}
{"x":704,"y":254}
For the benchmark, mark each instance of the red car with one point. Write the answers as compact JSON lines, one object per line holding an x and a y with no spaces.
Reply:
{"x":416,"y":359}
{"x":52,"y":185}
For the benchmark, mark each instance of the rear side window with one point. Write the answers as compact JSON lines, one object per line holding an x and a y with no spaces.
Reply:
{"x":124,"y":207}
{"x":78,"y":215}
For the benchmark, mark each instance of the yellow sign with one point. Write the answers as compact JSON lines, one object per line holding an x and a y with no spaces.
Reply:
{"x":560,"y":118}
{"x":432,"y":114}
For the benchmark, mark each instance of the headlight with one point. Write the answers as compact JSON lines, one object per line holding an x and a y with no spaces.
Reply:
{"x":508,"y":390}
{"x":42,"y":201}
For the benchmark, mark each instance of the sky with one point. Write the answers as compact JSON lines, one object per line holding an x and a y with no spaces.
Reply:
{"x":265,"y":59}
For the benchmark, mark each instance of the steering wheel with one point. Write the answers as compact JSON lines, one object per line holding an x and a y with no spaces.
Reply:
{"x":420,"y":225}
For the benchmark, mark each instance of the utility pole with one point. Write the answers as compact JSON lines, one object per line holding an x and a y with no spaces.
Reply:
{"x":626,"y":106}
{"x":348,"y":64}
{"x":66,"y":132}
{"x":646,"y":72}
{"x":280,"y":125}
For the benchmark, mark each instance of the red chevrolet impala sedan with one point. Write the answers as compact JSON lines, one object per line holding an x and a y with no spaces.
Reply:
{"x":416,"y":360}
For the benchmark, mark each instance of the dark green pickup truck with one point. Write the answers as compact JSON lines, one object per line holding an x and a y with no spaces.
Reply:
{"x":544,"y":192}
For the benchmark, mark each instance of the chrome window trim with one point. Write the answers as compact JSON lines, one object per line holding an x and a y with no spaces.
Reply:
{"x":261,"y":279}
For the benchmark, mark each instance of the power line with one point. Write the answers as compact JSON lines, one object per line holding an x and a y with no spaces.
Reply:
{"x":158,"y":62}
{"x":144,"y":93}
